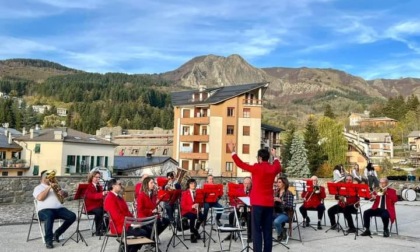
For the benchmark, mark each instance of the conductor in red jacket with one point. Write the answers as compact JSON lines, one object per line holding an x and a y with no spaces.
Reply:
{"x":94,"y":200}
{"x":117,"y":208}
{"x":384,"y":207}
{"x":261,"y":196}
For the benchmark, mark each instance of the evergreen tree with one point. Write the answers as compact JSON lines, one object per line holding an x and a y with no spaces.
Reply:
{"x":285,"y":153}
{"x":328,"y":112}
{"x":298,"y":166}
{"x":312,"y":144}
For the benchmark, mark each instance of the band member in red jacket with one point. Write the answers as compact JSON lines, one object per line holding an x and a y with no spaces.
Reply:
{"x":117,"y":208}
{"x":263,"y":175}
{"x":346,"y":206}
{"x":147,"y":204}
{"x":383,"y":207}
{"x":314,"y":201}
{"x":190,"y":209}
{"x":94,"y":200}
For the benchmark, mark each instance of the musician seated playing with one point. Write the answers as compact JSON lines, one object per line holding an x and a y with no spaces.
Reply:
{"x":313,"y":201}
{"x":190,"y":209}
{"x":346,"y":206}
{"x":137,"y":188}
{"x":383,"y":207}
{"x":283,"y":203}
{"x":117,"y":208}
{"x":94,"y":196}
{"x":147,"y":204}
{"x":50,"y":208}
{"x":171,"y":185}
{"x":242,"y":210}
{"x":207,"y":205}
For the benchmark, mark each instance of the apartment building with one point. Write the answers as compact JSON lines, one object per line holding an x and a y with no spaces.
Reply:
{"x":206,"y":120}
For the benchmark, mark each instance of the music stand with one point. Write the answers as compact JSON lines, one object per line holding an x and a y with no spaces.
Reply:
{"x":80,"y":195}
{"x":308,"y":189}
{"x":209,"y":194}
{"x":362,"y":191}
{"x":247,"y":202}
{"x":338,"y":189}
{"x":175,"y":195}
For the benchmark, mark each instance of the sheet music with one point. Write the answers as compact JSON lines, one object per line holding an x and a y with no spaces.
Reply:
{"x":245,"y":200}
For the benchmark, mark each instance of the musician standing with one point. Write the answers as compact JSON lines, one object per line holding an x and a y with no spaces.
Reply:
{"x":118,"y":210}
{"x":50,"y":208}
{"x":313,"y":201}
{"x":383,"y":207}
{"x":263,"y":175}
{"x":94,"y":196}
{"x":147,"y":204}
{"x":346,"y":206}
{"x":189,"y":209}
{"x":171,"y":185}
{"x":283,"y":203}
{"x":372,"y":176}
{"x":210,"y":181}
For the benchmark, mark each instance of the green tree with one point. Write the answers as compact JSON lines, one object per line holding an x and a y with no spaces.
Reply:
{"x":333,"y":142}
{"x":328,"y":112}
{"x":312,"y":144}
{"x":285,"y":154}
{"x":298,"y":166}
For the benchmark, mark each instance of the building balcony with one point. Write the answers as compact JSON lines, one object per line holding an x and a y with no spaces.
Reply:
{"x":14,"y":164}
{"x":194,"y":155}
{"x":195,"y":120}
{"x":194,"y":138}
{"x":252,"y":102}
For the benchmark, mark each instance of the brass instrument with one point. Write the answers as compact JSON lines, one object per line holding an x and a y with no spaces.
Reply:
{"x":182,"y":176}
{"x":55,"y":186}
{"x":317,"y":189}
{"x":381,"y":190}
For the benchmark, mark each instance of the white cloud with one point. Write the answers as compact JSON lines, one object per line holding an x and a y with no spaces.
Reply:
{"x":14,"y":47}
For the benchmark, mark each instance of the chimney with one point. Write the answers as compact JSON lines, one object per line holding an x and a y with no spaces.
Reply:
{"x":31,"y":133}
{"x":58,"y":135}
{"x":23,"y":131}
{"x":10,"y":138}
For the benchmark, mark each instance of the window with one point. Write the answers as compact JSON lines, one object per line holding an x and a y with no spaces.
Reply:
{"x":227,"y":148}
{"x":71,"y":160}
{"x":247,"y":112}
{"x":229,"y":166}
{"x":185,"y":130}
{"x":230,"y":111}
{"x":165,"y":151}
{"x":185,"y":164}
{"x":246,"y":130}
{"x":230,"y":130}
{"x":204,"y":130}
{"x":36,"y":170}
{"x":37,"y":148}
{"x":5,"y":173}
{"x":245,"y":149}
{"x":20,"y":173}
{"x":186,"y":113}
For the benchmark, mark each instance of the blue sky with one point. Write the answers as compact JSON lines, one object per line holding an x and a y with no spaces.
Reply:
{"x":367,"y":38}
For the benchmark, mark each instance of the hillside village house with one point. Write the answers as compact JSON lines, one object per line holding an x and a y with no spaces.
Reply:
{"x":41,"y":109}
{"x":11,"y":163}
{"x":64,"y":150}
{"x":206,"y":120}
{"x":355,"y":118}
{"x":377,"y":122}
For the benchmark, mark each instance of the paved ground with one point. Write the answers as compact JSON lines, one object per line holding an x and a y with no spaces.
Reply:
{"x":14,"y":228}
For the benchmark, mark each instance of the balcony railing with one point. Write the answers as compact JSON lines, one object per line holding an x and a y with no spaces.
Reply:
{"x":195,"y":120}
{"x":194,"y":138}
{"x":13,"y":163}
{"x":194,"y":155}
{"x":251,"y":102}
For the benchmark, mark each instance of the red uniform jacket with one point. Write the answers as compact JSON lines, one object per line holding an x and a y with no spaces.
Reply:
{"x":263,"y":175}
{"x":118,"y":210}
{"x":137,"y":189}
{"x":187,"y":202}
{"x":145,"y":205}
{"x":93,"y":198}
{"x":314,"y":200}
{"x":390,"y":199}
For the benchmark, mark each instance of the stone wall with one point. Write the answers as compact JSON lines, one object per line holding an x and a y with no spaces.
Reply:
{"x":19,"y":189}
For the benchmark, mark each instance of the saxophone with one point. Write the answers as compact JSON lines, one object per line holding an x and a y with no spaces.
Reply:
{"x":55,"y":186}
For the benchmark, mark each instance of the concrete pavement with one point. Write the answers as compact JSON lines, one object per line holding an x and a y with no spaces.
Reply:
{"x":14,"y":227}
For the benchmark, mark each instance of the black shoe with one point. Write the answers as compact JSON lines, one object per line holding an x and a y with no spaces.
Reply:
{"x":386,"y":233}
{"x":193,"y":239}
{"x":284,"y":234}
{"x":319,"y":225}
{"x":351,"y":230}
{"x":307,"y":221}
{"x":279,"y":238}
{"x":219,"y":223}
{"x":366,"y":233}
{"x":56,"y":237}
{"x":49,"y":245}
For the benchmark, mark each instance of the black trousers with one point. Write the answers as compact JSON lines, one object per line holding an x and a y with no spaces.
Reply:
{"x":347,"y":211}
{"x":99,"y":215}
{"x":383,"y":213}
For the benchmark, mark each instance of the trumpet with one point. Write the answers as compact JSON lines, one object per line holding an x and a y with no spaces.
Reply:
{"x":317,"y":189}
